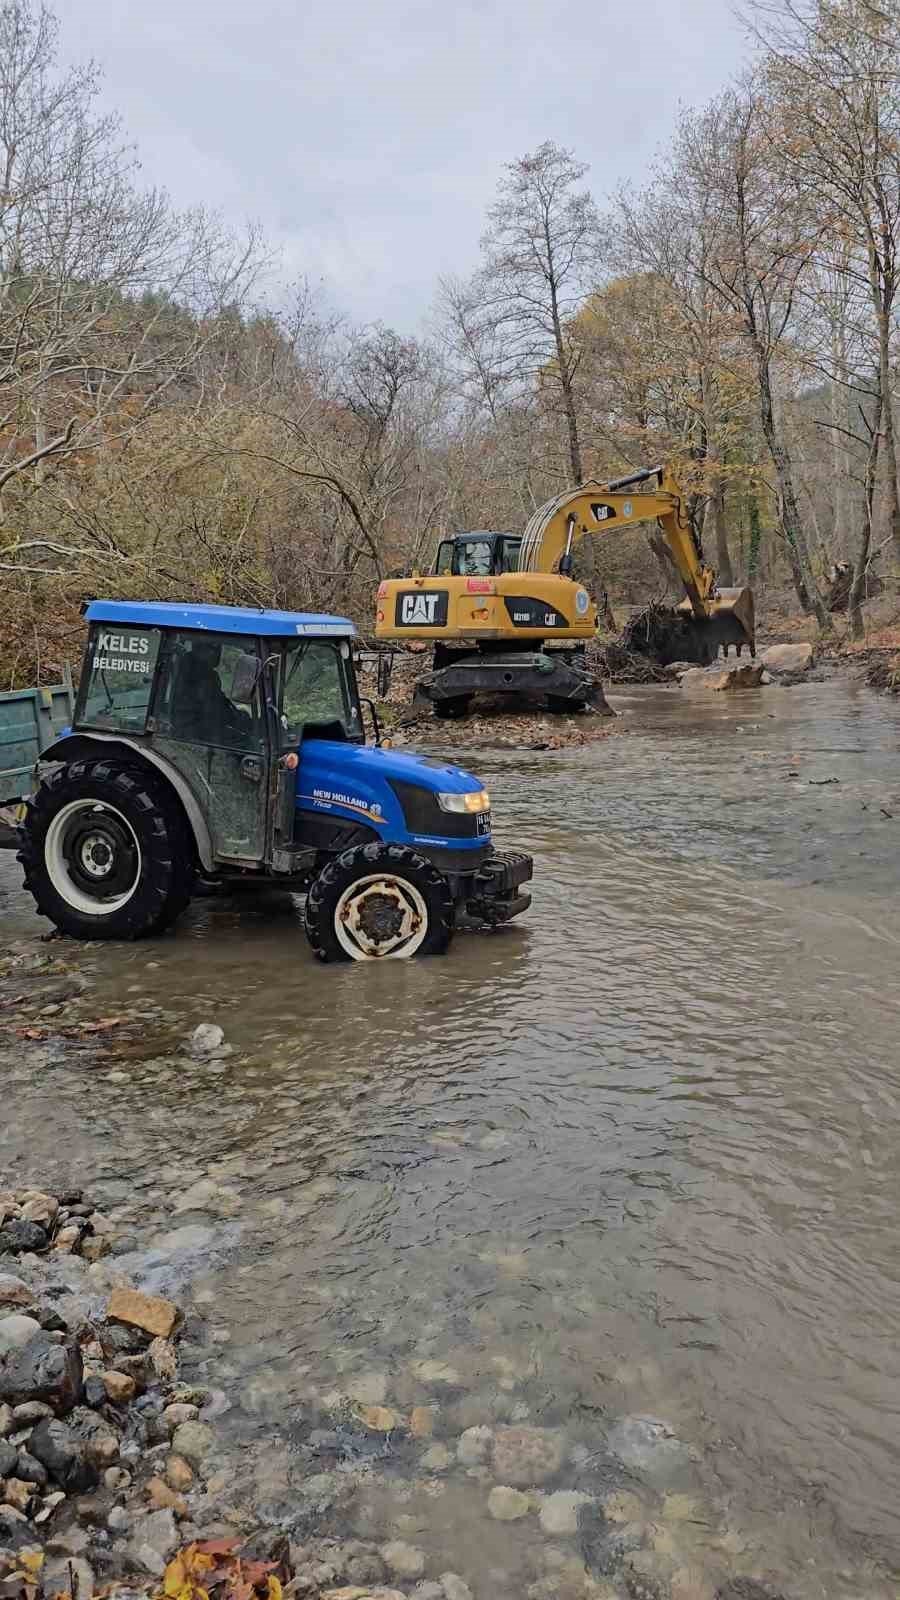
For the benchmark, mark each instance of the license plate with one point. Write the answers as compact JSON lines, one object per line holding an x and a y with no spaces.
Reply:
{"x":483,"y":822}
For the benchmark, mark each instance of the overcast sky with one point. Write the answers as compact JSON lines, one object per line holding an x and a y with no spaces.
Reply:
{"x":367,"y":137}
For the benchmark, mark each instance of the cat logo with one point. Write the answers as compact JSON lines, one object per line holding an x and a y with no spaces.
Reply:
{"x":417,"y":608}
{"x":601,"y":511}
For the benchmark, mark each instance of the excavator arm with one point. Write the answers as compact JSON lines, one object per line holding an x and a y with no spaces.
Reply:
{"x":599,"y":508}
{"x":720,"y":616}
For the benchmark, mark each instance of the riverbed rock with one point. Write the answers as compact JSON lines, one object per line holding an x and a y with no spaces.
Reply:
{"x":455,"y":1587}
{"x":163,"y":1359}
{"x":29,"y":1468}
{"x":421,"y":1422}
{"x":474,"y":1446}
{"x":162,"y":1498}
{"x":369,"y":1389}
{"x":508,"y":1505}
{"x":206,"y":1039}
{"x":788,"y":660}
{"x":18,"y":1237}
{"x":378,"y":1419}
{"x":145,"y":1311}
{"x":648,"y":1446}
{"x":120,"y":1387}
{"x":402,"y":1559}
{"x":43,"y":1369}
{"x":14,"y":1292}
{"x":156,"y":1532}
{"x":436,"y":1374}
{"x":7,"y":1422}
{"x":559,"y":1512}
{"x":525,"y":1456}
{"x":8,"y":1459}
{"x":15,"y":1332}
{"x":720,"y":679}
{"x":193,"y":1441}
{"x":179,"y":1474}
{"x":437,"y":1458}
{"x":41,"y":1208}
{"x":64,"y":1455}
{"x":69,"y":1575}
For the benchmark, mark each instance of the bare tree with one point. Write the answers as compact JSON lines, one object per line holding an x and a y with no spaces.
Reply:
{"x":514,"y":321}
{"x":107,"y":297}
{"x":765,"y":240}
{"x":835,"y":68}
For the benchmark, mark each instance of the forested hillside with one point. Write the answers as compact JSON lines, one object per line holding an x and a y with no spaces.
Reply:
{"x":175,"y":422}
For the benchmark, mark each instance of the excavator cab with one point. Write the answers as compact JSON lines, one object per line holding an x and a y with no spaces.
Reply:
{"x":478,"y":555}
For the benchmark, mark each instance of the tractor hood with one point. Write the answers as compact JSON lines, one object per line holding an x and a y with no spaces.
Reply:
{"x":368,"y":764}
{"x":375,"y":786}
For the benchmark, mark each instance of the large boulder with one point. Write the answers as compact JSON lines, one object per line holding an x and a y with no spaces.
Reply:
{"x":64,"y":1455}
{"x":788,"y":660}
{"x":43,"y":1369}
{"x":725,"y":679}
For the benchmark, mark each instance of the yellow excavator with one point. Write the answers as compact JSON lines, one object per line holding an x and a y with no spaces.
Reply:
{"x":506,"y":616}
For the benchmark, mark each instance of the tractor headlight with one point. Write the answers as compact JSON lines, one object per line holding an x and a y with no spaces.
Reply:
{"x":475,"y":800}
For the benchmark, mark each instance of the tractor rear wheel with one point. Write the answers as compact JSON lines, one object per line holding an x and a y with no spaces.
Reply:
{"x":376,"y":902}
{"x":106,"y":852}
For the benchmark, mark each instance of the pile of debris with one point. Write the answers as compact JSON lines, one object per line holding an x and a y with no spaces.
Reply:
{"x":495,"y":726}
{"x":884,"y":673}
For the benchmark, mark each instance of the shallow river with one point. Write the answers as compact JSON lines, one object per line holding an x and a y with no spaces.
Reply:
{"x":636,"y":1155}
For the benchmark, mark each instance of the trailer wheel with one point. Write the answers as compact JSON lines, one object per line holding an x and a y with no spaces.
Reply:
{"x":106,"y":853}
{"x":376,"y":902}
{"x":453,"y":708}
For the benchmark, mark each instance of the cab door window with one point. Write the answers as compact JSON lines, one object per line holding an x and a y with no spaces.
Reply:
{"x":210,"y":692}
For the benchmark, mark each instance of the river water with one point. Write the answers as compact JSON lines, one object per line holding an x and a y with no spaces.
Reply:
{"x":636,"y":1155}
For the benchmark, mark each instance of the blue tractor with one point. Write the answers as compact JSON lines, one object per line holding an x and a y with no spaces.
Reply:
{"x":215,"y":743}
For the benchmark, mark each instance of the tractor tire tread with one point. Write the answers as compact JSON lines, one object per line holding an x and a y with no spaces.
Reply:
{"x":167,"y":848}
{"x":334,"y":877}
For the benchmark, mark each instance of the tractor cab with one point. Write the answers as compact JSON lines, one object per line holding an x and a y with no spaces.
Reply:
{"x":229,"y":743}
{"x":478,"y":555}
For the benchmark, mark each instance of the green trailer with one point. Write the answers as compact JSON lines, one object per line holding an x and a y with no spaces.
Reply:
{"x":30,"y":719}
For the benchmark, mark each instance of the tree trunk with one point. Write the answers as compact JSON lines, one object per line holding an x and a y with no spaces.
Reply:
{"x":565,"y":381}
{"x":795,"y":539}
{"x":887,"y":425}
{"x":716,"y":509}
{"x":755,"y":537}
{"x":860,"y":576}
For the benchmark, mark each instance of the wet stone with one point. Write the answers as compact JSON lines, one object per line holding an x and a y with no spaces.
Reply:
{"x":526,"y":1456}
{"x":403,"y":1560}
{"x":43,"y":1369}
{"x":508,"y":1505}
{"x":193,"y":1441}
{"x":474,"y":1446}
{"x":14,"y":1292}
{"x":8,"y":1459}
{"x":15,"y":1332}
{"x":63,"y":1454}
{"x":29,"y":1468}
{"x":559,"y":1512}
{"x":17,"y":1237}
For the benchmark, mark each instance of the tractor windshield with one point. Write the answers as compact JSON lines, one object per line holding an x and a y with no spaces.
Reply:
{"x":319,"y":697}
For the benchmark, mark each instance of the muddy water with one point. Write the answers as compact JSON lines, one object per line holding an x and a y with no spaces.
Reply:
{"x":636,"y":1155}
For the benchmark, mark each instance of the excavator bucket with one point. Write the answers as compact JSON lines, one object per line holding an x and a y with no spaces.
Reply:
{"x":733,"y":622}
{"x":667,"y":634}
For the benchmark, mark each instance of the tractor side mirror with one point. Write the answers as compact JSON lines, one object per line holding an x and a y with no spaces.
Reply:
{"x":385,"y":672}
{"x":244,"y":679}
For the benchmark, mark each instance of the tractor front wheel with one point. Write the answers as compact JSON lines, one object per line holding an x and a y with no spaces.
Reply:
{"x":379,"y":901}
{"x":106,"y":852}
